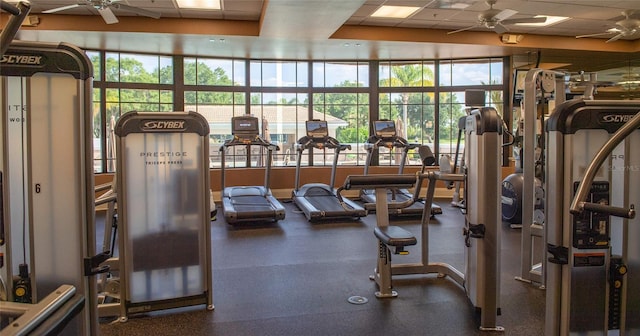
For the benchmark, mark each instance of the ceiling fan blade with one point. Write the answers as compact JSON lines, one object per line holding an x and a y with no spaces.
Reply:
{"x":54,"y":10}
{"x":463,"y":29}
{"x":506,"y":13}
{"x":525,"y":20}
{"x":615,"y":38}
{"x":594,"y":35}
{"x":107,"y":15}
{"x":500,"y":28}
{"x":137,"y":10}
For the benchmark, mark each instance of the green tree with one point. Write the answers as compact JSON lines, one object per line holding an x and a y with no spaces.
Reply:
{"x":409,"y":75}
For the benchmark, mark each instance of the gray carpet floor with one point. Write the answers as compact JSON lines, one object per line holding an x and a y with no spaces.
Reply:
{"x":294,"y":278}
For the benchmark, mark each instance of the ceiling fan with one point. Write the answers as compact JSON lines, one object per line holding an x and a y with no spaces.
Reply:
{"x":104,"y":9}
{"x":624,"y":28}
{"x":496,"y":19}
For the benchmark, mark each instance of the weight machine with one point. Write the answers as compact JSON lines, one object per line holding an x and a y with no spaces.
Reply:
{"x":164,"y":220}
{"x":593,"y":270}
{"x":482,"y":175}
{"x":543,"y":90}
{"x":47,"y":229}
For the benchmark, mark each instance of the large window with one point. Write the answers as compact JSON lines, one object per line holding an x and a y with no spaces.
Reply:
{"x":424,"y":98}
{"x":347,"y":115}
{"x":217,"y":72}
{"x":279,"y":74}
{"x":122,"y":83}
{"x":340,"y":74}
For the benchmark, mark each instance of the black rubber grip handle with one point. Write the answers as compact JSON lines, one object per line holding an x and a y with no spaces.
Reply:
{"x":610,"y":210}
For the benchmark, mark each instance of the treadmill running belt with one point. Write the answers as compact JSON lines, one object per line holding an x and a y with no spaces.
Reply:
{"x":252,"y":200}
{"x":327,"y":203}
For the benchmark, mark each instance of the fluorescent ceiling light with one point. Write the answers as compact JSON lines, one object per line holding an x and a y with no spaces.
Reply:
{"x":396,"y":12}
{"x":551,"y":20}
{"x":199,"y":4}
{"x":459,"y":5}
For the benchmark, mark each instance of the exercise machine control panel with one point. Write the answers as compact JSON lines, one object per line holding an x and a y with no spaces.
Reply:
{"x":245,"y":128}
{"x":317,"y":129}
{"x":591,"y":229}
{"x":385,"y":134}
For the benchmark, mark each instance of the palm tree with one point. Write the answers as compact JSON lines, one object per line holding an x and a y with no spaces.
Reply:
{"x":408,"y":75}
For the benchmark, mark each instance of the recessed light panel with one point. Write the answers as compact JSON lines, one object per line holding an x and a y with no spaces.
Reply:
{"x":551,"y":20}
{"x":395,"y":12}
{"x":198,"y":4}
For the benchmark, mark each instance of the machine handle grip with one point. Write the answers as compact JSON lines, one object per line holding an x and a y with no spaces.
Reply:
{"x":605,"y":209}
{"x":13,"y":10}
{"x":590,"y":173}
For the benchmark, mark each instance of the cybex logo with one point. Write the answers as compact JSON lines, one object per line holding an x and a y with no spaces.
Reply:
{"x":22,"y":59}
{"x":163,"y":124}
{"x":616,"y":118}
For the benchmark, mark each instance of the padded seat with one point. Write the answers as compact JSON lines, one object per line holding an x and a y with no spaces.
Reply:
{"x":395,"y":236}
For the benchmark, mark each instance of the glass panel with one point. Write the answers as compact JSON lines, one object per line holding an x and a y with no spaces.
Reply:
{"x":271,"y":98}
{"x":124,"y":100}
{"x":218,"y":108}
{"x":94,"y":56}
{"x":239,"y":73}
{"x":348,"y":122}
{"x":496,"y":71}
{"x":136,"y":68}
{"x":214,"y":72}
{"x":444,"y":71}
{"x":282,"y":119}
{"x":277,"y":74}
{"x":318,"y":74}
{"x":189,"y":71}
{"x":406,"y":74}
{"x":166,"y":96}
{"x":239,"y":98}
{"x":166,"y":70}
{"x":170,"y":209}
{"x":255,"y":71}
{"x":414,"y":120}
{"x":112,"y":67}
{"x":470,"y":72}
{"x":341,"y":75}
{"x":303,"y":74}
{"x":451,"y":110}
{"x":97,"y":132}
{"x":496,"y":101}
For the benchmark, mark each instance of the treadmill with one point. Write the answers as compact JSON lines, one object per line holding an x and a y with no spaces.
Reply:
{"x":401,"y":201}
{"x":249,"y":203}
{"x":320,"y":201}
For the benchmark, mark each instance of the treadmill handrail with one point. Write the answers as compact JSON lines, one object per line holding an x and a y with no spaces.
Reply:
{"x":374,"y":142}
{"x":256,"y":141}
{"x":307,"y":142}
{"x":328,"y":142}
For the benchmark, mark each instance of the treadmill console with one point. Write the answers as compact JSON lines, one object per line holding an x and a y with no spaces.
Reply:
{"x":317,"y":129}
{"x":245,"y":127}
{"x":385,"y":129}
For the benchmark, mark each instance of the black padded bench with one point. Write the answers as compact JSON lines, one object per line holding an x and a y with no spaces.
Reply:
{"x":388,"y":235}
{"x":384,"y":181}
{"x":395,"y":236}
